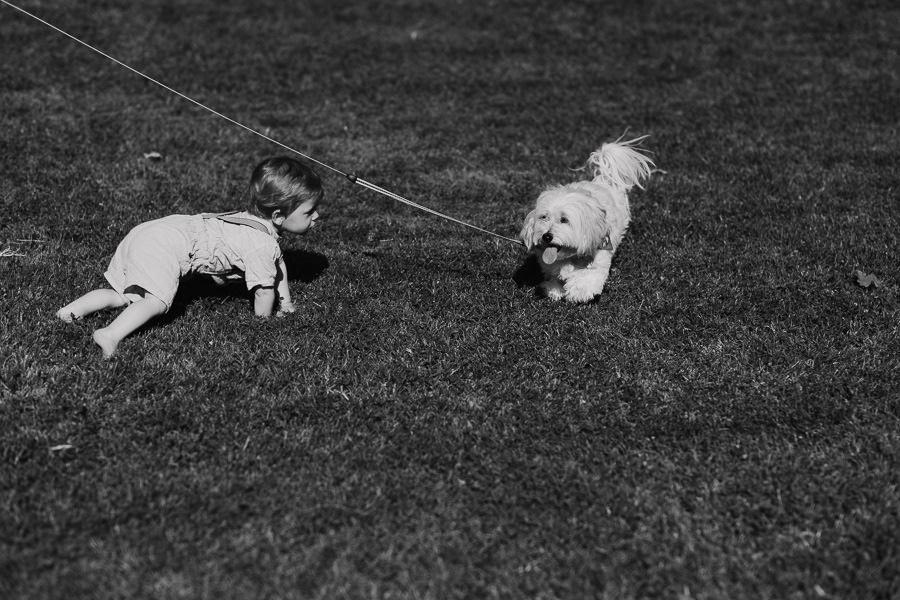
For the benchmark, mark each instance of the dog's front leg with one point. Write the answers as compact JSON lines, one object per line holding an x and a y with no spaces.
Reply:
{"x":583,"y":285}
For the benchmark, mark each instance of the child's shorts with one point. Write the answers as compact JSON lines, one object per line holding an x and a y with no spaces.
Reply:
{"x":153,"y":256}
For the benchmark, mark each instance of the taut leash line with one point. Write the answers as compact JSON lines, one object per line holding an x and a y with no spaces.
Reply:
{"x":351,"y":177}
{"x":398,"y":198}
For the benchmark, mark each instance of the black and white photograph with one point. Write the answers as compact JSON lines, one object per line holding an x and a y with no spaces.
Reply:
{"x":450,"y":300}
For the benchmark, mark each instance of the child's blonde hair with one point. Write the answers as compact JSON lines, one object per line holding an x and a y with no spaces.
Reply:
{"x":282,"y":183}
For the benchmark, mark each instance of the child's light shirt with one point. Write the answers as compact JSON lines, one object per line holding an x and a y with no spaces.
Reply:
{"x":157,"y":254}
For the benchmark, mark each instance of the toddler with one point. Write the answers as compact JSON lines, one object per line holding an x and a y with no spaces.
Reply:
{"x":149,"y":263}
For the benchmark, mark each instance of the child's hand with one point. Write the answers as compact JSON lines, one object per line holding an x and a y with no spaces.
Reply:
{"x":285,"y":308}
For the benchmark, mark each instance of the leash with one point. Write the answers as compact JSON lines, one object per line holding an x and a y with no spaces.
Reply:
{"x":351,"y":177}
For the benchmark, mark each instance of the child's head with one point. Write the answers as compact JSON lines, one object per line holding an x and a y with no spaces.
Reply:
{"x":282,"y":184}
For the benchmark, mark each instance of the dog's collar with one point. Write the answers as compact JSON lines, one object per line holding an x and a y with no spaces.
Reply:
{"x":606,"y":245}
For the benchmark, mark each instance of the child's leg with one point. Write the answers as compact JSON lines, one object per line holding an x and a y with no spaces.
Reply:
{"x":137,"y":314}
{"x":91,"y":303}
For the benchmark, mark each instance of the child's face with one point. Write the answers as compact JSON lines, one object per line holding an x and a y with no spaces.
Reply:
{"x":299,"y":221}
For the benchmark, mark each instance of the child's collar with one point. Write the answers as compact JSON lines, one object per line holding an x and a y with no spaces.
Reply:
{"x":245,"y":218}
{"x":267,"y":223}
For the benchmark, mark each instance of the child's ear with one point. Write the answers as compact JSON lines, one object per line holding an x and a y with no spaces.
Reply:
{"x":278,"y":217}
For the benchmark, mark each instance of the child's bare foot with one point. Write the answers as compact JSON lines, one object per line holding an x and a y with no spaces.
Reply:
{"x":66,"y":314}
{"x":107,"y":342}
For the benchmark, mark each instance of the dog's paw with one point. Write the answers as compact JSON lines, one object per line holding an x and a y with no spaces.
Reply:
{"x":555,"y":294}
{"x":553,"y":290}
{"x":582,"y":290}
{"x":580,"y":297}
{"x":566,"y":271}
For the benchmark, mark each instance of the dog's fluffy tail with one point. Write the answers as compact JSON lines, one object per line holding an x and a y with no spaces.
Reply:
{"x":621,"y":164}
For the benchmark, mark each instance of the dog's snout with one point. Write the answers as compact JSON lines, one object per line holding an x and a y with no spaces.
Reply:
{"x":547,"y":237}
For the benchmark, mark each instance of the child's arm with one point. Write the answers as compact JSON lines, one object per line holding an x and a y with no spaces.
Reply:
{"x":263,"y":301}
{"x":284,"y":293}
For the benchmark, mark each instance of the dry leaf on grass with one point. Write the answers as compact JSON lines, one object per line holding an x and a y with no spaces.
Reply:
{"x":866,"y":279}
{"x":888,"y":293}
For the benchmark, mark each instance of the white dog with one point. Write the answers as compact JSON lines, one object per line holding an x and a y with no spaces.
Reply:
{"x":574,"y":229}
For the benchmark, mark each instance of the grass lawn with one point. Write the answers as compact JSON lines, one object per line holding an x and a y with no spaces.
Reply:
{"x":723,"y":422}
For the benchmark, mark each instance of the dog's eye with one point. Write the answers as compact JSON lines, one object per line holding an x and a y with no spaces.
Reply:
{"x":564,"y":219}
{"x":543,"y":217}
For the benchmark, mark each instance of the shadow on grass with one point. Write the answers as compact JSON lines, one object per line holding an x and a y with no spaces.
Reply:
{"x":304,"y":266}
{"x":529,"y":273}
{"x":301,"y":266}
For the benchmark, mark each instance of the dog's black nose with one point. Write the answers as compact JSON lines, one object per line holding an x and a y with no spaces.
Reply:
{"x":547,"y":237}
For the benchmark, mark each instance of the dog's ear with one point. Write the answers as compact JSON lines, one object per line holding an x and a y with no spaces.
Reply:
{"x":593,"y":232}
{"x":527,"y":233}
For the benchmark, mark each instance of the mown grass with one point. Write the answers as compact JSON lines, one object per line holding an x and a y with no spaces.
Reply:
{"x":721,"y":423}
